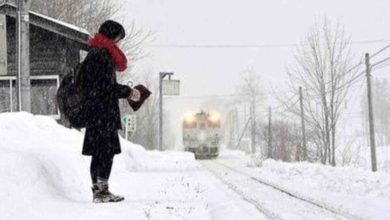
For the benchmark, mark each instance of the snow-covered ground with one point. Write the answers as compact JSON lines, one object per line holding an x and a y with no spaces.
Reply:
{"x":353,"y":191}
{"x":44,"y":176}
{"x":274,"y":203}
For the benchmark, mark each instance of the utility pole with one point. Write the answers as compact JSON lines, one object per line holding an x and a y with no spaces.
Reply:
{"x":270,"y":133}
{"x":242,"y":134}
{"x":236,"y":121}
{"x":303,"y":125}
{"x":231,"y":126}
{"x":23,"y":56}
{"x":371,"y":114}
{"x":253,"y":127}
{"x":161,"y":133}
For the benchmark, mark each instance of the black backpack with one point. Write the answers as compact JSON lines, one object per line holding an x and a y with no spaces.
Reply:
{"x":70,"y":99}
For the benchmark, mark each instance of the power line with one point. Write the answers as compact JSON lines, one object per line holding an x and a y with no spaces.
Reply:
{"x":351,"y":81}
{"x":221,"y":45}
{"x":363,"y":72}
{"x":223,"y":96}
{"x":380,"y":51}
{"x":227,"y":46}
{"x":284,"y":105}
{"x":380,"y":62}
{"x":358,"y":75}
{"x":283,"y":45}
{"x":208,"y":97}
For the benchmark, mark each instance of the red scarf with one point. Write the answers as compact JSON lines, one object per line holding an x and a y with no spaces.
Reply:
{"x":118,"y":57}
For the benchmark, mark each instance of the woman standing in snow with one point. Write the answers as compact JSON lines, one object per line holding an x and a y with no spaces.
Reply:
{"x":99,"y":86}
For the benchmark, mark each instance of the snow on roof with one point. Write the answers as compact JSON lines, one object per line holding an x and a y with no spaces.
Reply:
{"x":65,"y":24}
{"x":62,"y":23}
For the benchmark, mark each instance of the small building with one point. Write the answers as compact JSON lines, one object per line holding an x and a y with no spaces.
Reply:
{"x":55,"y":48}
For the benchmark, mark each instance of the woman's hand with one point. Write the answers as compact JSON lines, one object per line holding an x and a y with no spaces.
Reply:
{"x":135,"y":95}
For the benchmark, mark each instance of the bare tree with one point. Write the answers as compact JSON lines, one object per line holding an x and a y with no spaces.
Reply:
{"x":89,"y":14}
{"x":323,"y":68}
{"x":250,"y":93}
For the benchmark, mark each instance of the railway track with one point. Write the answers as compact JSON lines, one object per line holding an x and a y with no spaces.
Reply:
{"x":274,"y":201}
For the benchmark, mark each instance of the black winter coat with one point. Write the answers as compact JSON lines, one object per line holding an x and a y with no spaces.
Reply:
{"x":101,"y":90}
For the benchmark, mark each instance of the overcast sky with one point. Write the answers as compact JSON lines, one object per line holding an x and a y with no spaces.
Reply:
{"x":210,"y":71}
{"x":245,"y":22}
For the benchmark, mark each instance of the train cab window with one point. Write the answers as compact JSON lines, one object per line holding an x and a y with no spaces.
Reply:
{"x":212,"y":124}
{"x":190,"y":124}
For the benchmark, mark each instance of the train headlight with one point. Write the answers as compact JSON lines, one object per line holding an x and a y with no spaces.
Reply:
{"x":189,"y":118}
{"x":215,"y":117}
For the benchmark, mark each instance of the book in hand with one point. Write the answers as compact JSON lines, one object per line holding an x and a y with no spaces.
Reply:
{"x":144,"y":92}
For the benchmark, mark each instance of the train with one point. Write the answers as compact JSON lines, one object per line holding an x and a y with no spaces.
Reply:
{"x":202,"y":134}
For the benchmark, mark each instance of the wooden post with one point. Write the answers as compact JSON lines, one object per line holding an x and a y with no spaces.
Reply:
{"x":253,"y":125}
{"x":270,"y":133}
{"x":304,"y":149}
{"x":23,"y":56}
{"x":161,"y":97}
{"x":160,"y":124}
{"x":371,"y":115}
{"x":3,"y":47}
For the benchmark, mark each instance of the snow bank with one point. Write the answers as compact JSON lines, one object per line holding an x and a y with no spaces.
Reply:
{"x":42,"y":169}
{"x":382,"y":155}
{"x":36,"y":151}
{"x":355,"y":190}
{"x":352,"y":190}
{"x":37,"y":134}
{"x":348,"y":180}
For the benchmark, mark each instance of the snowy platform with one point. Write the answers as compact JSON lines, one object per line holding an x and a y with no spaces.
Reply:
{"x":44,"y":176}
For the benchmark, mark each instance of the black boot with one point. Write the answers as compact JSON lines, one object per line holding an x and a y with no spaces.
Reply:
{"x":101,"y":194}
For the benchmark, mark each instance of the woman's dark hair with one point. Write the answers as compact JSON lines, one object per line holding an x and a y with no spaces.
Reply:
{"x":112,"y":30}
